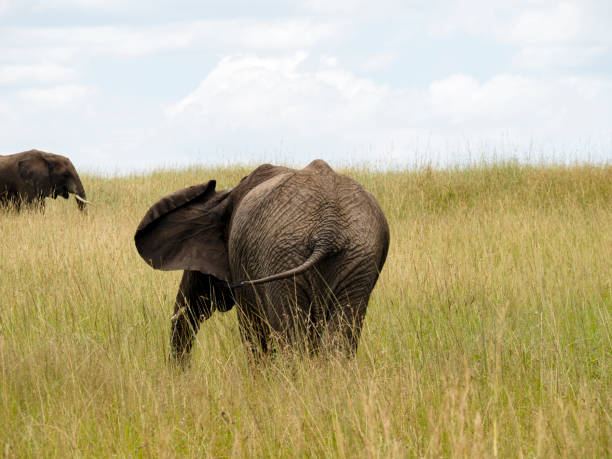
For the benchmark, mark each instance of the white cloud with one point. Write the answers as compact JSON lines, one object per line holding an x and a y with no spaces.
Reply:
{"x":54,"y":98}
{"x":564,"y":35}
{"x":48,"y":6}
{"x":553,"y":56}
{"x":66,"y":43}
{"x":331,"y":109}
{"x":561,"y":106}
{"x":87,"y":4}
{"x":23,"y":74}
{"x":548,"y":34}
{"x":362,"y":9}
{"x":557,"y":23}
{"x":281,"y":35}
{"x":444,"y":19}
{"x":262,"y":93}
{"x":521,"y":22}
{"x":252,"y":92}
{"x":303,"y":102}
{"x":337,"y":6}
{"x":6,"y":6}
{"x":462,"y":100}
{"x":380,"y":61}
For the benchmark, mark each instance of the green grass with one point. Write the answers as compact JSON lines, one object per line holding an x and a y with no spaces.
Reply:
{"x":488,"y":334}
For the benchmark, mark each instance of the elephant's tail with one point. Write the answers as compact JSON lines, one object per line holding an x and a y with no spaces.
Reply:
{"x":317,"y":254}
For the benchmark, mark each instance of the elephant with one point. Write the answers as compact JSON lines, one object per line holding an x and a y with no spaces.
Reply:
{"x":297,"y":251}
{"x":27,"y":178}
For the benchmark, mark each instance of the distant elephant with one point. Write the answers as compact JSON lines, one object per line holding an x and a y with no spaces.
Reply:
{"x":298,"y":251}
{"x":29,"y":177}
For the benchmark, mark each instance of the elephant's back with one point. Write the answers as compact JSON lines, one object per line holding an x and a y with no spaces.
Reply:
{"x":279,"y":223}
{"x":271,"y":229}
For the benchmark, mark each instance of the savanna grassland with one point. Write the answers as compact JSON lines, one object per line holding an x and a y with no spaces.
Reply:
{"x":488,"y":334}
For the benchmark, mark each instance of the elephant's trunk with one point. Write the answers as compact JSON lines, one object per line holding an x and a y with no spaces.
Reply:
{"x":79,"y":194}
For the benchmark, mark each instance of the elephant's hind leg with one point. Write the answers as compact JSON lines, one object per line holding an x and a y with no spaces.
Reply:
{"x":344,"y":323}
{"x":254,"y":329}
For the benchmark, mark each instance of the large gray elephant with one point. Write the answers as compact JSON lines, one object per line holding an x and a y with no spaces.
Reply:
{"x":27,"y":178}
{"x":298,"y":252}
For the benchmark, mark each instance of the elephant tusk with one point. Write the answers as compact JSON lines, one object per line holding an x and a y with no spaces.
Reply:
{"x":78,"y":198}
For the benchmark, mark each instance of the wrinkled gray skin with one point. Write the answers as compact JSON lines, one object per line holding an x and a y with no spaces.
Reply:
{"x":27,"y":178}
{"x":298,"y":251}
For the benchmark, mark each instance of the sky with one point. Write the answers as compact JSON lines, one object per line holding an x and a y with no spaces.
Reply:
{"x":122,"y":86}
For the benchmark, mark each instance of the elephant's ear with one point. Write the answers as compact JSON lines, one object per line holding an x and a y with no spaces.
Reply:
{"x":34,"y":170}
{"x":187,"y":230}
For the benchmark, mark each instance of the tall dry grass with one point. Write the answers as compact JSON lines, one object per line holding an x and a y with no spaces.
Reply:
{"x":488,"y":334}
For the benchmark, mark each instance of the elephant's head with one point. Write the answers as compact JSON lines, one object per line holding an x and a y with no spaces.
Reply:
{"x":52,"y":175}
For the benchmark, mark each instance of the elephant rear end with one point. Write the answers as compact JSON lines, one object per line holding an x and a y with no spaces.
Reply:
{"x":321,"y":220}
